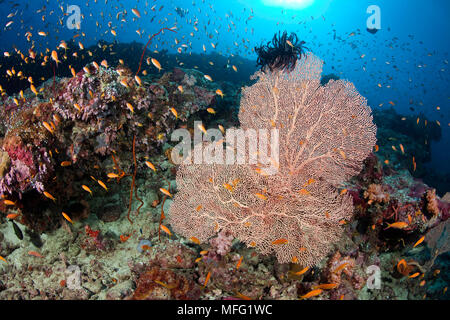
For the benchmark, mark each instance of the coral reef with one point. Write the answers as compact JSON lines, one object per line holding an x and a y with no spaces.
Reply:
{"x":78,"y":129}
{"x":397,"y":223}
{"x":376,"y":193}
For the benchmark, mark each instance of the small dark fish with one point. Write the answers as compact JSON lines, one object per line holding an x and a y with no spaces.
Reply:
{"x":372,"y":31}
{"x":17,"y":230}
{"x":35,"y":238}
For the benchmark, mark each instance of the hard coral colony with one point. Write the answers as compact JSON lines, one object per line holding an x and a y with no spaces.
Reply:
{"x":90,"y":179}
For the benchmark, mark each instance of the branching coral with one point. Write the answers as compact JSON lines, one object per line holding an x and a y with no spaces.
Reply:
{"x":377,"y":193}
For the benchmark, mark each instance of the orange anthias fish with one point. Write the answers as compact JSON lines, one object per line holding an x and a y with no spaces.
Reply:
{"x":156,"y":64}
{"x":326,"y":286}
{"x":238,"y":265}
{"x":166,"y":230}
{"x":112,"y":175}
{"x":48,"y":195}
{"x":170,"y":287}
{"x":130,"y":107}
{"x":340,"y":267}
{"x":402,"y":266}
{"x":166,"y":192}
{"x":194,"y":240}
{"x":207,"y":279}
{"x":228,"y":187}
{"x":86,"y":188}
{"x":419,"y":241}
{"x":202,"y":128}
{"x":174,"y":112}
{"x":261,"y":196}
{"x":102,"y":184}
{"x":303,"y":192}
{"x":48,"y":127}
{"x":138,"y":80}
{"x":299,"y":273}
{"x":280,"y":241}
{"x":397,"y":225}
{"x":67,"y":217}
{"x":220,"y":93}
{"x":124,"y":238}
{"x":12,"y":216}
{"x":35,"y":254}
{"x":55,"y":57}
{"x":136,"y":12}
{"x":311,"y":294}
{"x":241,"y":296}
{"x":150,"y":165}
{"x":9,"y":203}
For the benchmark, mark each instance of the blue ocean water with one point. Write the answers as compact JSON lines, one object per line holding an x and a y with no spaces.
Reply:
{"x":408,"y":56}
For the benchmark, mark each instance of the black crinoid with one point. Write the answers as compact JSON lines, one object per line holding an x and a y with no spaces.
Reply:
{"x":281,"y":53}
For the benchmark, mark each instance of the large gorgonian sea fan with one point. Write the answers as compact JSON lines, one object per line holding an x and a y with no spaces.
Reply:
{"x":325,"y":133}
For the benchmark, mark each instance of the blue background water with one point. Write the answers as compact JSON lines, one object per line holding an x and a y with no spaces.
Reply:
{"x":409,"y":53}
